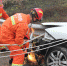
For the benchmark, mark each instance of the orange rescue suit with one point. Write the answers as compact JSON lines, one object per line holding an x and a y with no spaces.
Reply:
{"x":1,"y":47}
{"x":3,"y":14}
{"x":13,"y":31}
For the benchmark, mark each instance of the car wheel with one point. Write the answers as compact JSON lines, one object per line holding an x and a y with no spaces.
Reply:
{"x":57,"y":56}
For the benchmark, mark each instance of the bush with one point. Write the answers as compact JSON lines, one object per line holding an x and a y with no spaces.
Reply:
{"x":53,"y":10}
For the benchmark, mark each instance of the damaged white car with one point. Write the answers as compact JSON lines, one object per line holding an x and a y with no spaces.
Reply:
{"x":55,"y":53}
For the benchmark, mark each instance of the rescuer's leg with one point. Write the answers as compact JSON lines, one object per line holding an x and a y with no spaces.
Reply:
{"x":17,"y":59}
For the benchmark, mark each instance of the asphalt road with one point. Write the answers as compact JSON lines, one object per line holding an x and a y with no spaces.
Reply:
{"x":4,"y":61}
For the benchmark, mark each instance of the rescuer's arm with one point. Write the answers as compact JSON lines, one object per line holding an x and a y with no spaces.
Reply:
{"x":4,"y":15}
{"x":20,"y":33}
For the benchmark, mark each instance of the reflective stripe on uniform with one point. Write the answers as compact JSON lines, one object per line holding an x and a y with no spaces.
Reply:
{"x":17,"y":64}
{"x":0,"y":14}
{"x":12,"y":19}
{"x":20,"y":45}
{"x":2,"y":47}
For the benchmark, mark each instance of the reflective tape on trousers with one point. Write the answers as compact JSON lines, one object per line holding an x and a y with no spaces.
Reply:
{"x":20,"y":45}
{"x":17,"y":64}
{"x":2,"y":47}
{"x":0,"y":14}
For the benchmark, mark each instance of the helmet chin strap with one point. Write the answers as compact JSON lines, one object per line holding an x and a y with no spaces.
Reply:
{"x":34,"y":21}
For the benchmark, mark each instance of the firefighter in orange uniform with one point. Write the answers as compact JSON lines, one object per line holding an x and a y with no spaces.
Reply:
{"x":2,"y":12}
{"x":5,"y":16}
{"x":15,"y":28}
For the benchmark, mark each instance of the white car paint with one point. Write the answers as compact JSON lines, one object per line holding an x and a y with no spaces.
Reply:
{"x":56,"y":32}
{"x":55,"y":23}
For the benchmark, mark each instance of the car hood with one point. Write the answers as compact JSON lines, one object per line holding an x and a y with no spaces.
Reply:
{"x":58,"y":31}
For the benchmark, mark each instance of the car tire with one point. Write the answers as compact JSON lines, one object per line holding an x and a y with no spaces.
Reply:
{"x":56,"y":56}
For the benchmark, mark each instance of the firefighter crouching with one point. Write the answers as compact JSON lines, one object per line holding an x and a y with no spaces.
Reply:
{"x":15,"y":28}
{"x":5,"y":16}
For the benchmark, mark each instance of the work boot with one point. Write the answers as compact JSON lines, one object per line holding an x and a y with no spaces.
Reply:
{"x":3,"y":50}
{"x":10,"y":61}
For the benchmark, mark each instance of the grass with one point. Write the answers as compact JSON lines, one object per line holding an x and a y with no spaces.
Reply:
{"x":54,"y":10}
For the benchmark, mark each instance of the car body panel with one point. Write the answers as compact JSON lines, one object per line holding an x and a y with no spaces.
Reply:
{"x":58,"y":31}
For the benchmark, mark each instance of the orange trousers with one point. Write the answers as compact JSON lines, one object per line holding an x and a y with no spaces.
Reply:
{"x":1,"y":47}
{"x":18,"y":59}
{"x":8,"y":38}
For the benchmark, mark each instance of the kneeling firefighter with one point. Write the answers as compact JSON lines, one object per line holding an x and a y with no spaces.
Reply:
{"x":15,"y":28}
